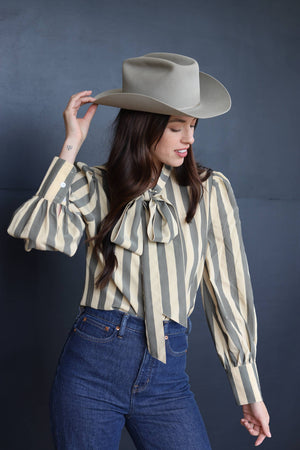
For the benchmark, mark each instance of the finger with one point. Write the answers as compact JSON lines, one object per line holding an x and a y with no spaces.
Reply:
{"x":81,"y":94}
{"x":260,"y":425}
{"x":75,"y":104}
{"x":245,"y":423}
{"x":90,"y":113}
{"x":266,"y":429}
{"x":250,"y":427}
{"x":260,"y":439}
{"x":82,"y":101}
{"x":253,"y":421}
{"x":87,"y":118}
{"x":79,"y":100}
{"x":248,"y":423}
{"x":77,"y":96}
{"x":253,"y":432}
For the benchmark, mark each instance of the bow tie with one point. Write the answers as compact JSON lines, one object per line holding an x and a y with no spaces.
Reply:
{"x":161,"y":218}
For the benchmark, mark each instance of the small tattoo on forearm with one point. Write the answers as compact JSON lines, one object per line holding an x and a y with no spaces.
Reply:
{"x":69,"y":147}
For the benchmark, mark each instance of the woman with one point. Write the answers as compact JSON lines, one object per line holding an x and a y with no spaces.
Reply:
{"x":158,"y":225}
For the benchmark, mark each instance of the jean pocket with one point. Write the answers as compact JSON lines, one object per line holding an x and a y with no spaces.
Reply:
{"x":95,"y":330}
{"x":177,"y":344}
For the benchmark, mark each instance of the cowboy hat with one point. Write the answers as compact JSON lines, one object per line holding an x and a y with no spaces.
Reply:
{"x":167,"y":83}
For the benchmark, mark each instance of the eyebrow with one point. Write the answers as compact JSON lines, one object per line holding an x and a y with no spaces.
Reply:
{"x":177,"y":120}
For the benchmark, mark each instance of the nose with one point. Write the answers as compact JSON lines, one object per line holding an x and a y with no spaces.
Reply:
{"x":188,"y":137}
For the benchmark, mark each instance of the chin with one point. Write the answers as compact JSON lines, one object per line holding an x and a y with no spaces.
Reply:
{"x":176,"y":163}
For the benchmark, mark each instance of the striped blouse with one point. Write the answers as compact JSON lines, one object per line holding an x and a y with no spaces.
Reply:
{"x":162,"y":260}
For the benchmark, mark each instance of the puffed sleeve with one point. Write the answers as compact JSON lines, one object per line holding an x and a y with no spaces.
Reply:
{"x":227,"y":294}
{"x":65,"y":186}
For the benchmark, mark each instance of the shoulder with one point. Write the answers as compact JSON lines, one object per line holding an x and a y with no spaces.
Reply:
{"x":218,"y":179}
{"x":211,"y":177}
{"x":218,"y":189}
{"x":212,"y":180}
{"x":222,"y":195}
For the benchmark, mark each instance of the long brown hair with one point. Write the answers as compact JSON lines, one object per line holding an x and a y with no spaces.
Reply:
{"x":129,"y":169}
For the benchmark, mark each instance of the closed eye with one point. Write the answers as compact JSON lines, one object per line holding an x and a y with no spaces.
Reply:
{"x":177,"y":131}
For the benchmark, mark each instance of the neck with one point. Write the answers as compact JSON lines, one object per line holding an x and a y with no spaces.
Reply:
{"x":155,"y":175}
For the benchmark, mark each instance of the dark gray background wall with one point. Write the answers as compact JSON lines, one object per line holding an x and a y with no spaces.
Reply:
{"x":50,"y":50}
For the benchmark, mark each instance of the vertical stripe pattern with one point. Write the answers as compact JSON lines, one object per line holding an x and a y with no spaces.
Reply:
{"x":162,"y":260}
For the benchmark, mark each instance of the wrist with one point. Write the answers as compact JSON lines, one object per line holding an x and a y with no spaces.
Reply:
{"x":252,"y":403}
{"x":70,"y":149}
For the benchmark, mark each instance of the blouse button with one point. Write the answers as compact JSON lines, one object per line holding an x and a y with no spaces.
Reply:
{"x":63,"y":184}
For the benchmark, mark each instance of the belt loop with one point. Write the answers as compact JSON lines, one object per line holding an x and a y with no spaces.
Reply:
{"x":123,"y":323}
{"x":166,"y":326}
{"x":79,"y":312}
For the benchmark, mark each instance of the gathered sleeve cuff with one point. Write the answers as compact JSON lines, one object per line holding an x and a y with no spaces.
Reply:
{"x":55,"y":217}
{"x":227,"y":294}
{"x":57,"y":181}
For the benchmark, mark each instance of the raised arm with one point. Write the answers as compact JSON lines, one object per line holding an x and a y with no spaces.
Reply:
{"x":55,"y":217}
{"x":76,"y":128}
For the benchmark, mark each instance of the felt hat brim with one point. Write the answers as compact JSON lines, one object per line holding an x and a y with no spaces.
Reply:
{"x":215,"y":100}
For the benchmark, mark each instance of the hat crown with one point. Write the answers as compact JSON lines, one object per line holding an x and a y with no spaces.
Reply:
{"x":163,"y":76}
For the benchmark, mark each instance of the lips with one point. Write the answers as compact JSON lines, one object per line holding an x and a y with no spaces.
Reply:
{"x":182,"y":151}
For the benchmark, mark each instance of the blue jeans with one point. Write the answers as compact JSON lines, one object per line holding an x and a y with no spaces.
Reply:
{"x":106,"y":379}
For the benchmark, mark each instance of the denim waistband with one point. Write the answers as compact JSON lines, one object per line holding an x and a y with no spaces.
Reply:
{"x":118,"y":317}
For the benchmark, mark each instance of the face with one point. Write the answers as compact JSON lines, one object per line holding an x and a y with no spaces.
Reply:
{"x":174,"y":144}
